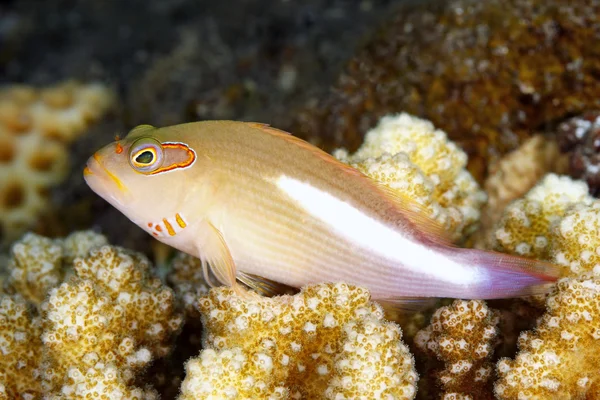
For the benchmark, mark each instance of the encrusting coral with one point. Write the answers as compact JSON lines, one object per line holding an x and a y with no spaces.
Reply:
{"x":462,"y":336}
{"x":328,"y":341}
{"x":486,"y":72}
{"x":95,"y":331}
{"x":36,"y":125}
{"x":409,"y":155}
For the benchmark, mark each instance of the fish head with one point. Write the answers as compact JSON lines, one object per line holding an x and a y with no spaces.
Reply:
{"x":146,"y":176}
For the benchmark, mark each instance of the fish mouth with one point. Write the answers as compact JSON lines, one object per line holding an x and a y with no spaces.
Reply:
{"x":102,"y":181}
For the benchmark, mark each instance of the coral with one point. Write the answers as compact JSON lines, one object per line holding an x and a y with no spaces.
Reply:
{"x":580,"y":138}
{"x":409,"y":155}
{"x":462,"y":336}
{"x":516,"y":173}
{"x":487,"y":72}
{"x":187,"y":280}
{"x":36,"y":125}
{"x":19,"y":349}
{"x":524,"y":229}
{"x":559,"y":359}
{"x":575,"y":239}
{"x":37,"y":263}
{"x":328,"y":341}
{"x":112,"y":312}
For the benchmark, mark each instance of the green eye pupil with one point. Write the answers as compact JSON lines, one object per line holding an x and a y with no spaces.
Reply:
{"x":145,"y":158}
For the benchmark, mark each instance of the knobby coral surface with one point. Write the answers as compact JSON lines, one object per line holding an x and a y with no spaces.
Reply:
{"x":462,"y":336}
{"x":328,"y":341}
{"x":487,"y":72}
{"x":557,"y":359}
{"x":36,"y":125}
{"x":409,"y":155}
{"x":95,"y":331}
{"x":524,"y":229}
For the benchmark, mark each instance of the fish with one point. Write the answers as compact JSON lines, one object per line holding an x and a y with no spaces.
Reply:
{"x":260,"y":207}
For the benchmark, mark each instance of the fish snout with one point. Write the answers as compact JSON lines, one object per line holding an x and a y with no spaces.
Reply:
{"x":101,"y":180}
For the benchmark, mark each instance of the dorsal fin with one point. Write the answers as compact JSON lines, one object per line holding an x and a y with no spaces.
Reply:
{"x":415,"y":212}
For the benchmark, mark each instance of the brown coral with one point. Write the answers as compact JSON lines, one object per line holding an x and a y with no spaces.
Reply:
{"x":329,"y":341}
{"x":487,"y":72}
{"x":580,"y":138}
{"x":462,"y":336}
{"x":35,"y":127}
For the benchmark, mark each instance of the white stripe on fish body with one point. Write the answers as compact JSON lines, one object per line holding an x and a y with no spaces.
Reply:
{"x":356,"y":226}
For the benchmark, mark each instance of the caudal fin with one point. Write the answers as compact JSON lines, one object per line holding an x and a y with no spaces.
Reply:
{"x":508,"y":276}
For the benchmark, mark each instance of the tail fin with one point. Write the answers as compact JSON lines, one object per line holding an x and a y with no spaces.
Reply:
{"x":509,"y":276}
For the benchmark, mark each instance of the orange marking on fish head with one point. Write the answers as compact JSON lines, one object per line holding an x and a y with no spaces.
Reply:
{"x":158,"y":228}
{"x":180,"y":221}
{"x":169,"y":227}
{"x":118,"y":148}
{"x":176,"y":156}
{"x":150,"y":224}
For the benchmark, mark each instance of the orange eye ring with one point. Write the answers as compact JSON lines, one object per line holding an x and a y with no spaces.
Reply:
{"x":146,"y":155}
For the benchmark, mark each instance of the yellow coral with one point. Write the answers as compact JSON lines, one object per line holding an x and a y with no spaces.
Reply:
{"x":20,"y":353}
{"x":462,"y":337}
{"x":559,"y":360}
{"x":97,"y":330}
{"x":408,"y":154}
{"x":35,"y":128}
{"x":110,"y":311}
{"x":524,"y":229}
{"x":329,"y":341}
{"x":187,"y":280}
{"x":37,"y":263}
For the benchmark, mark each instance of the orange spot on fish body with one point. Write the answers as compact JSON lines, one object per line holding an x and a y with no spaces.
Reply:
{"x":169,"y":227}
{"x":119,"y":148}
{"x":155,"y":234}
{"x":180,"y":221}
{"x":150,"y":224}
{"x":159,"y":228}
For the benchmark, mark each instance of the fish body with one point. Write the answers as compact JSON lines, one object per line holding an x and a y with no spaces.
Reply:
{"x":250,"y":200}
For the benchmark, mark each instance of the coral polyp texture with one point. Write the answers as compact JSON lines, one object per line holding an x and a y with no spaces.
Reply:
{"x":524,"y":229}
{"x":20,"y":349}
{"x":36,"y":125}
{"x":559,"y":359}
{"x":94,"y":332}
{"x":579,"y":137}
{"x":409,"y":155}
{"x":329,"y":341}
{"x":462,"y":336}
{"x":37,"y":263}
{"x":487,"y":72}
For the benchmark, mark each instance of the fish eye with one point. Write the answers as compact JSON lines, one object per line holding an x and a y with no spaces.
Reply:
{"x":146,"y":155}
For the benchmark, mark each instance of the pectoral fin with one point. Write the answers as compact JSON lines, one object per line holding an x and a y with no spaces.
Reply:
{"x":216,"y":254}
